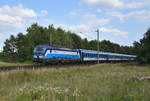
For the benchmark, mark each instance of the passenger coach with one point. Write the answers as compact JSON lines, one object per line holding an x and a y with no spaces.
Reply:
{"x":88,"y":55}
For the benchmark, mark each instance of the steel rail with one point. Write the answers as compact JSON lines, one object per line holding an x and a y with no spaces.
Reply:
{"x":35,"y":67}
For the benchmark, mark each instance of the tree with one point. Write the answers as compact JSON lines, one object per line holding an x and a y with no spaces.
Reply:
{"x":10,"y":48}
{"x":21,"y":45}
{"x":85,"y":44}
{"x":143,"y":48}
{"x":76,"y":41}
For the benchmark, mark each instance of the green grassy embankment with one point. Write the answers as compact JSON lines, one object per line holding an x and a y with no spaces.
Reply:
{"x":15,"y":64}
{"x":103,"y":82}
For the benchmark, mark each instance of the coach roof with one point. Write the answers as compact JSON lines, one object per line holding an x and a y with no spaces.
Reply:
{"x":107,"y":53}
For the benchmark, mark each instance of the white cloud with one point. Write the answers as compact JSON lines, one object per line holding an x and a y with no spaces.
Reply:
{"x":104,"y":3}
{"x":87,"y":36}
{"x":97,"y":22}
{"x":43,"y":12}
{"x":115,"y":32}
{"x":88,"y":22}
{"x":1,"y":35}
{"x":74,"y":28}
{"x":14,"y":17}
{"x":141,"y":15}
{"x":81,"y":29}
{"x":89,"y":16}
{"x":117,"y":3}
{"x":118,"y":15}
{"x":49,"y":20}
{"x":99,"y":10}
{"x":17,"y":11}
{"x":134,"y":5}
{"x":85,"y":32}
{"x":7,"y":22}
{"x":75,"y":13}
{"x":88,"y":25}
{"x":92,"y":20}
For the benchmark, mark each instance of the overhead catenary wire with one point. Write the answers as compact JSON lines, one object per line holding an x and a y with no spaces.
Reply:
{"x":97,"y":42}
{"x":88,"y":36}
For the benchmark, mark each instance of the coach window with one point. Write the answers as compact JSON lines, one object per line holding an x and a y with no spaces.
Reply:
{"x":82,"y":54}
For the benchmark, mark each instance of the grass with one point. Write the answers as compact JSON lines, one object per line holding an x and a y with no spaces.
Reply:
{"x":103,"y":82}
{"x":15,"y":64}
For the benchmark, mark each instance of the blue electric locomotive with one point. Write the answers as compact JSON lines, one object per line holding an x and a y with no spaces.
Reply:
{"x":44,"y":53}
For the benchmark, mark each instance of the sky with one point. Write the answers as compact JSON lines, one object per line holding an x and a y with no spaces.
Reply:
{"x":120,"y":21}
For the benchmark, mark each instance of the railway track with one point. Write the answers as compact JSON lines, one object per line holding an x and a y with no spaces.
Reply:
{"x":34,"y":67}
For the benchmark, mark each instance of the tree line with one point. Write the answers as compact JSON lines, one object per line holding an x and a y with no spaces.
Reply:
{"x":142,"y":48}
{"x":20,"y":48}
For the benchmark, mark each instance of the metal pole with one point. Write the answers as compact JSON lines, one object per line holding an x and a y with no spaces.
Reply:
{"x":50,"y":38}
{"x":97,"y":46}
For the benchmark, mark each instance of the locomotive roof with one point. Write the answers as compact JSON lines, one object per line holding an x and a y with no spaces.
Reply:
{"x":56,"y":48}
{"x":44,"y":46}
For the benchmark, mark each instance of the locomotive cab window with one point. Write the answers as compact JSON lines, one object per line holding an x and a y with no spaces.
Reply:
{"x":39,"y":49}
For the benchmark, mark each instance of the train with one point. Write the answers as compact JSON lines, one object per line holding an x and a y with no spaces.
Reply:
{"x":50,"y":54}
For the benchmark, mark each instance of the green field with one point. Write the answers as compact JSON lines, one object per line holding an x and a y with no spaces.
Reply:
{"x":103,"y":82}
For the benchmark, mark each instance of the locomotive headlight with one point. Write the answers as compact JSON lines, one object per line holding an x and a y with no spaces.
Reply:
{"x":35,"y":56}
{"x":42,"y":56}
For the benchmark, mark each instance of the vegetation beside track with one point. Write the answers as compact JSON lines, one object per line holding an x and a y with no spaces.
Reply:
{"x":15,"y":64}
{"x":103,"y":82}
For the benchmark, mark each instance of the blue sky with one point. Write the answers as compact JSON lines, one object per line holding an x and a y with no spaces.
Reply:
{"x":120,"y":21}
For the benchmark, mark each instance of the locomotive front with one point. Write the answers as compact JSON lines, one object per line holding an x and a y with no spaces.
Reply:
{"x":39,"y":53}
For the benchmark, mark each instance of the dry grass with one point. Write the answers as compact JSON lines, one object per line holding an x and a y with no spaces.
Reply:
{"x":104,"y":82}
